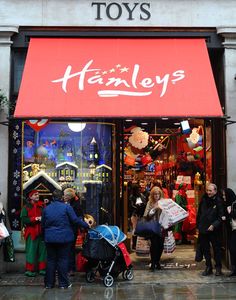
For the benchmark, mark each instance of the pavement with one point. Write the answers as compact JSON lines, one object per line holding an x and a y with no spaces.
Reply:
{"x":164,"y":284}
{"x":179,"y":279}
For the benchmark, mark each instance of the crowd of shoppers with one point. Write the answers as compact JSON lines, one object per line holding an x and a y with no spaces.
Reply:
{"x":50,"y":231}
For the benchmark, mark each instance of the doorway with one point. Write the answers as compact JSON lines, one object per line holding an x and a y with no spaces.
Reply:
{"x":168,"y":153}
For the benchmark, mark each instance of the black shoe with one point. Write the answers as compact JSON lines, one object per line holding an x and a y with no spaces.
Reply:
{"x":218,"y":272}
{"x":178,"y":242}
{"x":152,"y":268}
{"x":233,"y":273}
{"x":186,"y":242}
{"x":207,"y":272}
{"x":158,"y":266}
{"x":66,"y":287}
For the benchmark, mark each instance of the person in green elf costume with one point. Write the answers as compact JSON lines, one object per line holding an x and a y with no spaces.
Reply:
{"x":35,"y":248}
{"x":181,"y":199}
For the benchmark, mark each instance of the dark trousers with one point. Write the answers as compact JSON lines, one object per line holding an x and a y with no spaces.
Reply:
{"x":206,"y":240}
{"x":72,"y":257}
{"x":156,"y":248}
{"x":57,"y":260}
{"x":232,"y":248}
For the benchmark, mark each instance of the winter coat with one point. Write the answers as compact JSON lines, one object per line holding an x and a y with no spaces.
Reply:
{"x":29,"y":212}
{"x":210,"y":212}
{"x":150,"y":213}
{"x":57,"y":222}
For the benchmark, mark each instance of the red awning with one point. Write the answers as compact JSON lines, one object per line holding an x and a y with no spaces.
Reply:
{"x":115,"y":77}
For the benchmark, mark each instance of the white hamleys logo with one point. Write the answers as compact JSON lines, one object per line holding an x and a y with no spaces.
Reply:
{"x":116,"y":85}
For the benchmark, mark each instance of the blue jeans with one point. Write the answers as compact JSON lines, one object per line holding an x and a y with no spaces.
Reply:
{"x":57,"y":260}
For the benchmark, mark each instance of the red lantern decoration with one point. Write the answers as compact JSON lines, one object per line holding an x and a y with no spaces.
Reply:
{"x":146,"y":159}
{"x":129,"y":160}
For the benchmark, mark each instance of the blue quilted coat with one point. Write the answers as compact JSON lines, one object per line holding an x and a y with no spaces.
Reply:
{"x":58,"y":219}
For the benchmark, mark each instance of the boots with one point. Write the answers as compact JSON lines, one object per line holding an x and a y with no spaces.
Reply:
{"x":218,"y":271}
{"x":233,"y":271}
{"x":207,"y":272}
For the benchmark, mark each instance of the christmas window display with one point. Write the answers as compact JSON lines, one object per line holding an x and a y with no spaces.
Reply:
{"x":77,"y":155}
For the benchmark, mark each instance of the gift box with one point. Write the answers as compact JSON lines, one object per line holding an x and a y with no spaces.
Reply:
{"x":171,"y":214}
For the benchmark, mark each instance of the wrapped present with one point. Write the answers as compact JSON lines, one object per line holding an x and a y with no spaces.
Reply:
{"x":172,"y":213}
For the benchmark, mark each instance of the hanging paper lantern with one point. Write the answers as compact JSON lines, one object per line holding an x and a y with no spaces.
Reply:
{"x":146,"y":159}
{"x":129,"y":160}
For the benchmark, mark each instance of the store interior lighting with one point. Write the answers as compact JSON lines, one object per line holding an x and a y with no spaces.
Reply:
{"x":76,"y":127}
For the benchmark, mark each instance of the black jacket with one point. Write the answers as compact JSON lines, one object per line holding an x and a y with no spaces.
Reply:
{"x":210,"y":212}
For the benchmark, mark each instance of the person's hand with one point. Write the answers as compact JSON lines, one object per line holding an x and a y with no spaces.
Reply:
{"x":38,"y":219}
{"x":46,"y":201}
{"x":229,"y":209}
{"x":210,"y":228}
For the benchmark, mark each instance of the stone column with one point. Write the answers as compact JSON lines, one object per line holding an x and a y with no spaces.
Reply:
{"x":229,"y":43}
{"x":5,"y":58}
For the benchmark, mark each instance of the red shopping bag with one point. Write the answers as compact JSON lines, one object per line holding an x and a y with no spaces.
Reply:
{"x":81,"y":262}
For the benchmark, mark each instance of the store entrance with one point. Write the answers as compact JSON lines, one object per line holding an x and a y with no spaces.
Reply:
{"x":175,"y":155}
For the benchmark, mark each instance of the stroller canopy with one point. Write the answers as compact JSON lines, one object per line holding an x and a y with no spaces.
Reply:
{"x":112,"y":234}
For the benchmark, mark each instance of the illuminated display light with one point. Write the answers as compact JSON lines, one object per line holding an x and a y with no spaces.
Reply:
{"x":76,"y":127}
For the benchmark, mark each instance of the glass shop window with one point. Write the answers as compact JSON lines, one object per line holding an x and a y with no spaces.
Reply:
{"x":73,"y":155}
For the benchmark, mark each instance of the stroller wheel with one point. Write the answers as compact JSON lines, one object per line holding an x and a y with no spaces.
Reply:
{"x":90,"y":276}
{"x":128,"y":274}
{"x":108,"y":280}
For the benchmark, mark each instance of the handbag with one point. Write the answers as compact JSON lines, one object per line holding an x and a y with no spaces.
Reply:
{"x":3,"y":231}
{"x":8,"y":249}
{"x":169,"y":243}
{"x":146,"y":228}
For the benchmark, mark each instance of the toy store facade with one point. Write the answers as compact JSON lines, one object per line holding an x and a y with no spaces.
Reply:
{"x":122,"y":96}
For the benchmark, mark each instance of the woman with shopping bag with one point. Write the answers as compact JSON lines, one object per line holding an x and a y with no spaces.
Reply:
{"x":153,"y":212}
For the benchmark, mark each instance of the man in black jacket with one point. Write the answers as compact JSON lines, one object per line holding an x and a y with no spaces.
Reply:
{"x":209,"y":219}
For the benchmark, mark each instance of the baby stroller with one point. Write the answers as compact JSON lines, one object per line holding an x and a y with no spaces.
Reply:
{"x":107,"y":255}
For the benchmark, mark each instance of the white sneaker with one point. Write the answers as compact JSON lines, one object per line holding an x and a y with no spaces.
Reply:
{"x":66,"y":287}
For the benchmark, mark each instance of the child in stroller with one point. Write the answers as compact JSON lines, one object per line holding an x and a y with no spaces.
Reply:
{"x":107,"y":254}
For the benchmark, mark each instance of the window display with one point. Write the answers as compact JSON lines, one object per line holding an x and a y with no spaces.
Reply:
{"x":51,"y":155}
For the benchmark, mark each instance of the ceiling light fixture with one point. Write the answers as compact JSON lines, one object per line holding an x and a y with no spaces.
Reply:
{"x":76,"y":127}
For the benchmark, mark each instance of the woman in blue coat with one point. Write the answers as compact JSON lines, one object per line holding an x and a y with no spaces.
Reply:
{"x":57,"y":226}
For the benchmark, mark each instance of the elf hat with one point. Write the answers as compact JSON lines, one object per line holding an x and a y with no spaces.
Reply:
{"x":31,"y":193}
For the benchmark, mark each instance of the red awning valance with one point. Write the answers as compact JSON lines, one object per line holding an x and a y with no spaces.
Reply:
{"x":115,"y":77}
